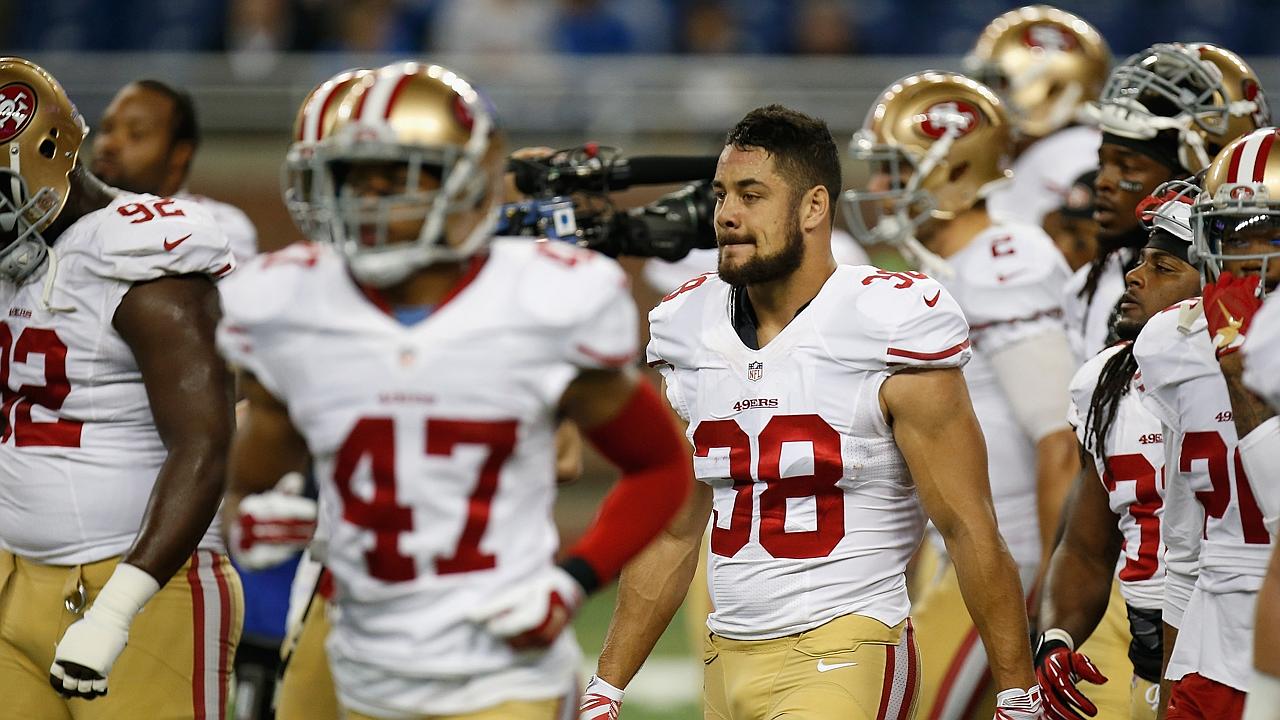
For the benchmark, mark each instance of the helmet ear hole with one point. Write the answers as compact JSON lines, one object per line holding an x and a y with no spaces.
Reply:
{"x":957,"y":171}
{"x":48,"y":148}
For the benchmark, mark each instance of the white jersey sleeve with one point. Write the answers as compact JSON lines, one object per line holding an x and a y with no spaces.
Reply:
{"x":591,"y":300}
{"x":1166,"y":361}
{"x":258,"y":312}
{"x":913,"y":322}
{"x":239,"y":229}
{"x":1262,"y":354}
{"x":144,"y":237}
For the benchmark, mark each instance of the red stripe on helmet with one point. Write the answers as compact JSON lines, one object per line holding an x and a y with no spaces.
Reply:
{"x":1260,"y":162}
{"x":395,"y":93}
{"x":1234,"y":168}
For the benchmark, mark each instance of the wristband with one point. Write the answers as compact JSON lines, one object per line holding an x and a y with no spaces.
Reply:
{"x":127,"y":590}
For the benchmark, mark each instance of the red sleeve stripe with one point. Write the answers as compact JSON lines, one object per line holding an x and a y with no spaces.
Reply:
{"x":940,"y":355}
{"x":1053,"y":313}
{"x":612,"y":361}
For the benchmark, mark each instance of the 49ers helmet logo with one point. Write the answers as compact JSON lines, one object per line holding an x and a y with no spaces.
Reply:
{"x":959,"y":114}
{"x":17,"y":106}
{"x":1048,"y":36}
{"x":1242,"y":193}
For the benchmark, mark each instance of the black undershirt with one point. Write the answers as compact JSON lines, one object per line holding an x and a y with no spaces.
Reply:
{"x":743,"y":317}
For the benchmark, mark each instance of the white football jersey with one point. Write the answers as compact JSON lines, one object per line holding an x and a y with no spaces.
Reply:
{"x":1008,"y":282}
{"x":1089,"y":323}
{"x":815,"y":513}
{"x":1262,"y":353}
{"x":1181,"y":384}
{"x":1132,"y":471}
{"x":80,"y":452}
{"x":1044,"y":173}
{"x":239,"y":229}
{"x":667,"y":276}
{"x":433,"y":443}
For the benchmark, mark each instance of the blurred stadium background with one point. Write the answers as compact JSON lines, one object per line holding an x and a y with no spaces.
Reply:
{"x":646,"y":76}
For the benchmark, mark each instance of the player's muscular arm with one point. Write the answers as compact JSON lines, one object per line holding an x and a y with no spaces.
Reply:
{"x":1247,"y":410}
{"x":1078,"y":582}
{"x":169,"y":325}
{"x":938,"y":434}
{"x":266,"y":446}
{"x":651,"y":588}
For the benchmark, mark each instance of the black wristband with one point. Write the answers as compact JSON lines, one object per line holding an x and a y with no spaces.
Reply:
{"x":581,"y":571}
{"x":1046,"y":646}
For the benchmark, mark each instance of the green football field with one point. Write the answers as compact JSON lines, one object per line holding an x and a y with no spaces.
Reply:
{"x":669,"y":687}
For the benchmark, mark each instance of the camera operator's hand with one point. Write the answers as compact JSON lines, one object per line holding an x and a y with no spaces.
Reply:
{"x":532,"y":154}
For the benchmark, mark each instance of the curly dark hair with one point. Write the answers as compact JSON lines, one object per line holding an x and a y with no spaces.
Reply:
{"x":801,"y":145}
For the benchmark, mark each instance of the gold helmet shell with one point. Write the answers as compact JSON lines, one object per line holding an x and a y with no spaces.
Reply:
{"x":934,"y":144}
{"x":437,"y":123}
{"x":40,"y":137}
{"x":1045,"y":62}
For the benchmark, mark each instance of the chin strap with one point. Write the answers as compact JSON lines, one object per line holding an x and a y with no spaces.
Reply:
{"x":50,"y":274}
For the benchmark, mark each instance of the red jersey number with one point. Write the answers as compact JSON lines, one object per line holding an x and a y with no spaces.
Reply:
{"x":828,"y":498}
{"x":374,"y":438}
{"x":17,"y":419}
{"x":1210,"y":448}
{"x":1138,"y":470}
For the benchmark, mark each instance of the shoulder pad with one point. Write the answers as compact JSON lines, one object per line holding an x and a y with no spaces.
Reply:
{"x":676,"y":323}
{"x":1173,"y":348}
{"x":274,"y":284}
{"x":558,"y":284}
{"x":144,"y":237}
{"x":894,"y":319}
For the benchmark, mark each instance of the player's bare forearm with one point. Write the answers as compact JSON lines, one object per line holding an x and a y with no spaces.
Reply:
{"x":993,"y":594}
{"x":651,"y":588}
{"x":169,"y":326}
{"x":1057,"y":469}
{"x":266,"y":447}
{"x":1078,"y":581}
{"x":1247,"y":410}
{"x":939,"y":436}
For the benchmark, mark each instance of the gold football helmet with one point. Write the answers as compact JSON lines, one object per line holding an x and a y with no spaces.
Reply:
{"x":1205,"y":92}
{"x":316,"y":118}
{"x":40,"y":136}
{"x":935,"y":143}
{"x":436,"y":125}
{"x":1241,"y":194}
{"x":1046,"y":63}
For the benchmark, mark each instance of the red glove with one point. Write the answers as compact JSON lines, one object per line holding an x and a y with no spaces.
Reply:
{"x":1058,"y":668}
{"x":1229,"y":306}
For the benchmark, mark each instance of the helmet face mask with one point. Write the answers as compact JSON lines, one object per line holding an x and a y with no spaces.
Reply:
{"x":429,"y":143}
{"x":316,"y":118}
{"x":885,"y":215}
{"x":1236,"y":219}
{"x":1207,"y":93}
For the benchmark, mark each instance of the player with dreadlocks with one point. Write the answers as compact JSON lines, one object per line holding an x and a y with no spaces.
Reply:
{"x":1117,"y":503}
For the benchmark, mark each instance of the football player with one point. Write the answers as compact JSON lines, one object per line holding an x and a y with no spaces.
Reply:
{"x":1163,"y":113}
{"x":1116,"y":509}
{"x":421,"y":365}
{"x":826,"y":409}
{"x":1239,"y":223}
{"x":146,"y":142}
{"x":937,"y":144}
{"x":1046,"y":64}
{"x":117,"y":420}
{"x":1217,"y":544}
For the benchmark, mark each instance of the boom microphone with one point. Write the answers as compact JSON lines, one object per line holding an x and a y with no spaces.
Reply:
{"x":547,"y":177}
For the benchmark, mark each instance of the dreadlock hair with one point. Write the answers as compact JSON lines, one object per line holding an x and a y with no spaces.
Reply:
{"x":1113,"y":384}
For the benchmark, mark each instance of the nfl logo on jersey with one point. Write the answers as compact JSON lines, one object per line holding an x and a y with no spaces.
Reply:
{"x":755,"y":370}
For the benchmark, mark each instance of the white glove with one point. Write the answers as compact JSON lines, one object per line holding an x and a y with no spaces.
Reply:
{"x":91,"y":645}
{"x":273,"y":526}
{"x":600,"y":701}
{"x":1016,"y":704}
{"x":532,"y":613}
